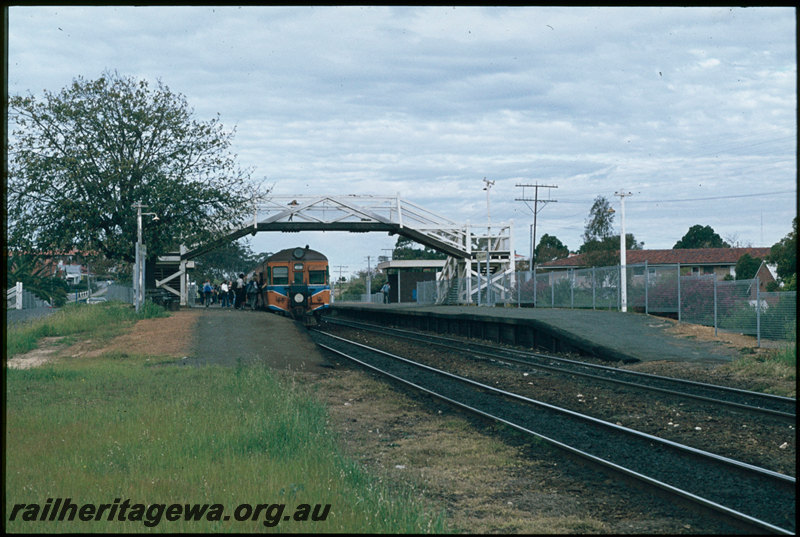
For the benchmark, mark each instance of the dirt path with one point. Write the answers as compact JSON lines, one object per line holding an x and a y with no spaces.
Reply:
{"x":229,"y":336}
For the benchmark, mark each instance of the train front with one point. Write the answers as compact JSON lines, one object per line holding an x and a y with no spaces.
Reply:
{"x":298,"y":283}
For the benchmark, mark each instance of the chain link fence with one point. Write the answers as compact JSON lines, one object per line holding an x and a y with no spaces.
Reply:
{"x":733,"y":306}
{"x":122,"y":293}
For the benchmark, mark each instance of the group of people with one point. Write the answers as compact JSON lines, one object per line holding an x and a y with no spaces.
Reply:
{"x":239,"y":294}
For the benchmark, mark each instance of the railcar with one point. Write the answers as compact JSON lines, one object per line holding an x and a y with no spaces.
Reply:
{"x":296,"y":283}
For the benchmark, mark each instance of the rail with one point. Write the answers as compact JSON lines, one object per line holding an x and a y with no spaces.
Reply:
{"x":758,"y":497}
{"x":778,"y":406}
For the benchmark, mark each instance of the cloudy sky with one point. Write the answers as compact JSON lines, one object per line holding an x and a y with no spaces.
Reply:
{"x":692,"y":110}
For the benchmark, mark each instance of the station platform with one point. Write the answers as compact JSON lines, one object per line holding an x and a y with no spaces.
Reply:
{"x":607,"y":335}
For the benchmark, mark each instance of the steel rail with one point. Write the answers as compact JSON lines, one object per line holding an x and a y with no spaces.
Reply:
{"x":626,"y":471}
{"x":523,"y":357}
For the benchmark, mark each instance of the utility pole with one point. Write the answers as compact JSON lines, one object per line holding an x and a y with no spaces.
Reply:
{"x":622,"y":257}
{"x":535,"y":210}
{"x":340,"y":267}
{"x":141,"y":255}
{"x":369,"y":279}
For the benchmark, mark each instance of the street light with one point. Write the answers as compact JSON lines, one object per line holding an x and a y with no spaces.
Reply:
{"x":488,"y":213}
{"x":141,"y":253}
{"x":623,"y":297}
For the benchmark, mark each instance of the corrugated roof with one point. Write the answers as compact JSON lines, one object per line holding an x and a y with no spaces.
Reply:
{"x":688,"y":256}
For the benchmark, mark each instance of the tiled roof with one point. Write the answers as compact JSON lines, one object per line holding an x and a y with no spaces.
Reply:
{"x":688,"y":256}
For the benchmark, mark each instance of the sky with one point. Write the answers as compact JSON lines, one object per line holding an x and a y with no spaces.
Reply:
{"x":691,"y":110}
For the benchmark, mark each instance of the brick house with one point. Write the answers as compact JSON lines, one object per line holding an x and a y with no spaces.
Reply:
{"x":720,"y":262}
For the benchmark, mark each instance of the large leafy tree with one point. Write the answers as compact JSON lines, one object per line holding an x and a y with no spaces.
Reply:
{"x":605,"y":252}
{"x":784,"y":253}
{"x":406,"y":248}
{"x":701,"y":237}
{"x":225,"y":262}
{"x":599,"y":224}
{"x":549,"y":249}
{"x":32,"y":270}
{"x":747,"y":267}
{"x":81,"y":158}
{"x":600,"y":246}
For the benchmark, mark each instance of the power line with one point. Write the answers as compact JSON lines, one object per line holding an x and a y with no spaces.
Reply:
{"x":535,"y":209}
{"x":759,"y":195}
{"x":755,"y":195}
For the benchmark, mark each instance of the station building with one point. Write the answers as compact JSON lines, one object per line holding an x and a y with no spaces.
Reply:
{"x":404,"y":274}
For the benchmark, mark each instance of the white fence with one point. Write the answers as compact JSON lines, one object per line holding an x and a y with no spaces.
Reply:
{"x":18,"y":298}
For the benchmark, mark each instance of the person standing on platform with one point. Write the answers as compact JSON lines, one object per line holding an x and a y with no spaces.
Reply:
{"x":207,"y":292}
{"x":223,"y":294}
{"x":385,"y":290}
{"x":240,"y":296}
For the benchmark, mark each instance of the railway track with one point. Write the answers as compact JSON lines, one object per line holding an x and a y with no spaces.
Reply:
{"x":759,"y":498}
{"x":763,"y":403}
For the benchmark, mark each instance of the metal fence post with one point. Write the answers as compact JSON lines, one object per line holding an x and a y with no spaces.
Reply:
{"x":646,"y":285}
{"x":478,"y":261}
{"x":679,"y":292}
{"x":572,"y":288}
{"x":18,"y":297}
{"x":552,"y":293}
{"x":758,"y":311}
{"x":593,"y":286}
{"x":715,"y":306}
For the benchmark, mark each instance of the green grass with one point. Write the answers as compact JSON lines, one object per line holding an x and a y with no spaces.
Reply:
{"x":154,"y":432}
{"x":97,"y":320}
{"x":777,"y":368}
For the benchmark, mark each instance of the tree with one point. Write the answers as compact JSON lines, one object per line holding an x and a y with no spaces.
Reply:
{"x":79,"y":159}
{"x":600,"y":246}
{"x":701,"y":237}
{"x":30,"y":269}
{"x":605,"y":252}
{"x":784,"y":254}
{"x":549,"y":249}
{"x":357,"y":285}
{"x":404,"y":249}
{"x":599,"y":222}
{"x":227,"y":261}
{"x":747,"y":267}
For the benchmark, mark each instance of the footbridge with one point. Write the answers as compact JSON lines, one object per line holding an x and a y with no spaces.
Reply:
{"x":470,"y":252}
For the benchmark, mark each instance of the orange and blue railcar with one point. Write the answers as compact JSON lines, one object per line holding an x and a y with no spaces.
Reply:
{"x":296,"y":283}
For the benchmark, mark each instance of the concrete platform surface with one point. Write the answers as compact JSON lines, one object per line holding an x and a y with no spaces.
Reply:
{"x":611,"y":335}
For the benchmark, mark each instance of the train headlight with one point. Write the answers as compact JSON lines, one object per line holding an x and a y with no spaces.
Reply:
{"x":298,"y":297}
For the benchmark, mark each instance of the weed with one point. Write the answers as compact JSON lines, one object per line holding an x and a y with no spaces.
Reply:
{"x":98,"y":320}
{"x":111,"y":427}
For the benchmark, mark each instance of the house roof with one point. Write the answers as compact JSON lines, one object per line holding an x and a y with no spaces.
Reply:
{"x":687,"y":256}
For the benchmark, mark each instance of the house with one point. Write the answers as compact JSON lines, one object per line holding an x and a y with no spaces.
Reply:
{"x":720,"y":262}
{"x":71,"y":265}
{"x":72,"y":273}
